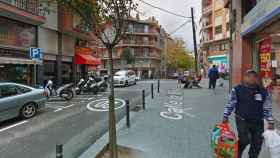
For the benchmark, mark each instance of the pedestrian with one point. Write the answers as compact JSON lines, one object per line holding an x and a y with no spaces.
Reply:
{"x":213,"y":75}
{"x":252,"y":104}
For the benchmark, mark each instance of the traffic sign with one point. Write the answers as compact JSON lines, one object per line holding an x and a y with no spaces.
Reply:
{"x":35,"y":53}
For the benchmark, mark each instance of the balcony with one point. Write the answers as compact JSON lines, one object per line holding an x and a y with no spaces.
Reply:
{"x":207,"y":9}
{"x":27,"y":11}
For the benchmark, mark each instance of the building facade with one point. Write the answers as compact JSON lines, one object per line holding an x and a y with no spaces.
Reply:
{"x":256,"y":41}
{"x":57,"y":34}
{"x":19,"y":21}
{"x":214,"y":34}
{"x":145,"y":41}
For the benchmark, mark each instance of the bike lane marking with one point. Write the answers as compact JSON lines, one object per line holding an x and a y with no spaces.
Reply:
{"x":63,"y":108}
{"x":12,"y":126}
{"x":102,"y":105}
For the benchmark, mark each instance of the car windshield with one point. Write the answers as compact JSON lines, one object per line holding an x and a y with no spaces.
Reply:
{"x":120,"y":73}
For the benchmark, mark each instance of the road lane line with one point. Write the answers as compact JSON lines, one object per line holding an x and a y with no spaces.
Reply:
{"x":66,"y":107}
{"x":54,"y":106}
{"x":12,"y":126}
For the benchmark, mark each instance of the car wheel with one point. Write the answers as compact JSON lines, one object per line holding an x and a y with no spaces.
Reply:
{"x":28,"y":111}
{"x":126,"y":84}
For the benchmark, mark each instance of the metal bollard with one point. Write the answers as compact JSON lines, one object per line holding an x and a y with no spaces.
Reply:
{"x":152,"y":90}
{"x":127,"y":114}
{"x":158,"y":86}
{"x":143,"y":99}
{"x":59,"y":151}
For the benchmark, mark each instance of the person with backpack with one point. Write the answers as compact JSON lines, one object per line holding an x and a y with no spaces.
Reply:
{"x":213,"y":75}
{"x":252,"y":104}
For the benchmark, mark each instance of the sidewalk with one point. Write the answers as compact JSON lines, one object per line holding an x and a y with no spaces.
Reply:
{"x":176,"y":124}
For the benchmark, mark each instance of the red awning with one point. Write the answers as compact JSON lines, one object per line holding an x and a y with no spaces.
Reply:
{"x":87,"y":59}
{"x":83,"y":57}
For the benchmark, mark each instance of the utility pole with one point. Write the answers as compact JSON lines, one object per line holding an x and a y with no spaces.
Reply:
{"x":194,"y":40}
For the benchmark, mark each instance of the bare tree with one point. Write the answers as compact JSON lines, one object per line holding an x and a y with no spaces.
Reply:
{"x":108,"y":20}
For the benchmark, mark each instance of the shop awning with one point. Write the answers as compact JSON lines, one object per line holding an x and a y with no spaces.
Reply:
{"x":87,"y":59}
{"x":7,"y":60}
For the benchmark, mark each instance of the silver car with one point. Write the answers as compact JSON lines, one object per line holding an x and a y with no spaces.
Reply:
{"x":125,"y":78}
{"x":20,"y":100}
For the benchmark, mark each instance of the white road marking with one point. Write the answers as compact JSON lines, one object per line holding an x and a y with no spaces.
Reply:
{"x":102,"y":105}
{"x":66,"y":107}
{"x":12,"y":126}
{"x":54,"y":106}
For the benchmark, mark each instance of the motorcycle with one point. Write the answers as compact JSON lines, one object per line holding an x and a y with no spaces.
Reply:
{"x":91,"y":86}
{"x":64,"y":91}
{"x":102,"y":85}
{"x":79,"y":86}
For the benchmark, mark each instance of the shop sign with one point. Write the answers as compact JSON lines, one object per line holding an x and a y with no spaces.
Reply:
{"x":265,"y":50}
{"x":13,"y":33}
{"x":35,"y":53}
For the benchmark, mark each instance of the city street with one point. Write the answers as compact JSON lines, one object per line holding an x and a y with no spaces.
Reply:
{"x":76,"y":124}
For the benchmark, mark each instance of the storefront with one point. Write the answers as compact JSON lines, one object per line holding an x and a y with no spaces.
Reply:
{"x":15,"y":63}
{"x":261,"y":38}
{"x":85,"y":61}
{"x":219,"y":60}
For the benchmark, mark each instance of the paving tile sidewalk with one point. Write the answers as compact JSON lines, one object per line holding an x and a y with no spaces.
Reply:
{"x":176,"y":124}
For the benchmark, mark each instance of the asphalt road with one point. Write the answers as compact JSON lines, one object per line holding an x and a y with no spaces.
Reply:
{"x":76,"y":124}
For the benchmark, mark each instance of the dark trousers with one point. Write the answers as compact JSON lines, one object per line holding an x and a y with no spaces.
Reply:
{"x":212,"y":83}
{"x":250,"y":132}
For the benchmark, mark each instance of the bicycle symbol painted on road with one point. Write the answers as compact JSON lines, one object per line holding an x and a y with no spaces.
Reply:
{"x":102,"y":105}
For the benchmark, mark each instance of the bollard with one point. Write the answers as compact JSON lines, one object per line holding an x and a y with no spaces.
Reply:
{"x":152,"y":90}
{"x":143,"y":99}
{"x":158,"y":86}
{"x":59,"y":151}
{"x":127,"y":114}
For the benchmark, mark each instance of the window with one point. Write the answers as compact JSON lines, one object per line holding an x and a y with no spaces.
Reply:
{"x":8,"y":90}
{"x":146,"y":52}
{"x":227,"y":26}
{"x":22,"y":89}
{"x":146,"y":28}
{"x":218,"y":29}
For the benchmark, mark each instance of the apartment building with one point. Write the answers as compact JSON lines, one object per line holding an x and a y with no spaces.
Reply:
{"x":19,"y":21}
{"x":145,"y":41}
{"x":59,"y":35}
{"x":214,"y":34}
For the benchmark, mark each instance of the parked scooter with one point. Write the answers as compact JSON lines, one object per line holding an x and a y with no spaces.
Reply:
{"x":79,"y":86}
{"x":93,"y":85}
{"x":64,"y":91}
{"x":102,"y":85}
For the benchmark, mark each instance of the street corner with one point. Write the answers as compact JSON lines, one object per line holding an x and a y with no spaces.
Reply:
{"x":102,"y":105}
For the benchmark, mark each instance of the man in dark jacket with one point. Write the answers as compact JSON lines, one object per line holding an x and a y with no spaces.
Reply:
{"x":252,"y":104}
{"x":213,"y":75}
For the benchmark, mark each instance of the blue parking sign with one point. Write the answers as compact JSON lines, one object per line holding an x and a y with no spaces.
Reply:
{"x":35,"y":53}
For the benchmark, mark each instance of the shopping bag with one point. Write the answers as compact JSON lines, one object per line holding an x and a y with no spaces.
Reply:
{"x":272,"y":141}
{"x":224,"y":142}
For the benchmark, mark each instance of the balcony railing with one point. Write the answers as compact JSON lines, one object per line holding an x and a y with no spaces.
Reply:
{"x":32,"y":6}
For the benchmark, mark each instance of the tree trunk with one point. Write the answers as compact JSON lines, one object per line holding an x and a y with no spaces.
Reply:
{"x":112,"y":118}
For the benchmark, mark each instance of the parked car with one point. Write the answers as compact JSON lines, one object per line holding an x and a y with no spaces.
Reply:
{"x":125,"y":78}
{"x":20,"y":100}
{"x":173,"y":76}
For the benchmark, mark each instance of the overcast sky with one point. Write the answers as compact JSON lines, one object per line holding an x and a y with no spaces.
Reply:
{"x":171,"y":22}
